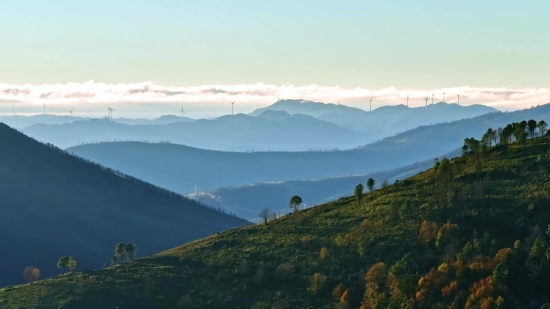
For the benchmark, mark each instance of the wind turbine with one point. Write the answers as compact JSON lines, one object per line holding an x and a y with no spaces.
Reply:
{"x":232,"y":105}
{"x":182,"y":113}
{"x":370,"y":104}
{"x":426,"y":101}
{"x":458,"y":95}
{"x":444,"y":97}
{"x":408,"y":100}
{"x":433,"y":93}
{"x":71,"y":115}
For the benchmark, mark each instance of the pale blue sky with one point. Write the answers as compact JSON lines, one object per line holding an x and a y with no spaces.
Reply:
{"x":370,"y":44}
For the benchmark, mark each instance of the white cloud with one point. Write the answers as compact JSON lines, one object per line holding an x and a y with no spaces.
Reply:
{"x":261,"y":94}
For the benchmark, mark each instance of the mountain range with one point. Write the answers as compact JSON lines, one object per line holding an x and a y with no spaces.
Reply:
{"x":244,"y":200}
{"x":269,"y":131}
{"x":181,"y":168}
{"x":467,"y":233}
{"x":383,"y":121}
{"x":54,"y":204}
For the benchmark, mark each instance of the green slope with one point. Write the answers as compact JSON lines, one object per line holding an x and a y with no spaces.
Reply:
{"x":501,"y":195}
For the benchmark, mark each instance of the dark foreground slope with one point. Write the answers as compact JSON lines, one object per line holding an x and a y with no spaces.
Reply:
{"x":180,"y":168}
{"x":467,"y":234}
{"x":54,"y":204}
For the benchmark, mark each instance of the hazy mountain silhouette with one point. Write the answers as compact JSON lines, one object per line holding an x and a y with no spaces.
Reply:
{"x":166,"y":119}
{"x":383,"y":121}
{"x":54,"y":204}
{"x":234,"y":132}
{"x":244,"y":200}
{"x":181,"y":168}
{"x":20,"y":122}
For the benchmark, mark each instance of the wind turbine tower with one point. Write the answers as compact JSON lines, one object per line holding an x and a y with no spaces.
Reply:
{"x":71,"y":115}
{"x":232,"y":105}
{"x":370,"y":104}
{"x":426,"y":101}
{"x":444,"y":97}
{"x":182,"y":113}
{"x":458,"y":95}
{"x":433,"y":93}
{"x":408,"y":100}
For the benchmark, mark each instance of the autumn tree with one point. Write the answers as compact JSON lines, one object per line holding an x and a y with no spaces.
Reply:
{"x":428,"y":232}
{"x":295,"y":202}
{"x":31,"y":274}
{"x":500,"y":273}
{"x":338,"y":291}
{"x":264,"y":214}
{"x":119,"y":251}
{"x":447,"y":232}
{"x":63,"y":262}
{"x":324,"y":253}
{"x":130,"y":250}
{"x":376,"y":280}
{"x":358,"y":192}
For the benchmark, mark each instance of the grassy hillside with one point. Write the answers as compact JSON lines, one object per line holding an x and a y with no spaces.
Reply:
{"x":180,"y":168}
{"x":468,"y":233}
{"x":247,"y":201}
{"x":54,"y":204}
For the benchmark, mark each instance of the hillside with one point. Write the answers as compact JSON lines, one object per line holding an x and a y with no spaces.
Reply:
{"x":383,"y":121}
{"x":180,"y":168}
{"x":468,"y":233}
{"x":233,"y":133}
{"x":243,"y":200}
{"x":166,"y":119}
{"x":54,"y":204}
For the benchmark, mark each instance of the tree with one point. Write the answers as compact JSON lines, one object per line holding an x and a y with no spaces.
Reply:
{"x":31,"y":274}
{"x":370,"y":184}
{"x":532,"y":126}
{"x":71,"y":263}
{"x":317,"y":282}
{"x":500,"y":273}
{"x":63,"y":262}
{"x":538,"y":249}
{"x":119,"y":251}
{"x":358,"y":193}
{"x":130,"y":249}
{"x":295,"y":202}
{"x":324,"y":254}
{"x":264,"y":214}
{"x":542,"y":127}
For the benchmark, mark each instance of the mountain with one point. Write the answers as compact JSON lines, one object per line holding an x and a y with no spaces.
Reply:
{"x":468,"y":233}
{"x":243,"y":200}
{"x":234,"y":132}
{"x":383,"y":121}
{"x":180,"y":168}
{"x":54,"y":204}
{"x":166,"y":119}
{"x":20,"y":122}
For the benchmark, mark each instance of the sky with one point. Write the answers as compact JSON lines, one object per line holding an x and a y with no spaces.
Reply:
{"x":204,"y":54}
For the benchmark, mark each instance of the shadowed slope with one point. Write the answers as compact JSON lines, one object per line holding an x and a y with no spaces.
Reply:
{"x":54,"y":204}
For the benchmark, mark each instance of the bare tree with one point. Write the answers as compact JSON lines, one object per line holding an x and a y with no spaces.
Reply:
{"x":31,"y":274}
{"x":264,"y":214}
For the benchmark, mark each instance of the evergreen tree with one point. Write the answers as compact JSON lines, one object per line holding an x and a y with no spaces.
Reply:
{"x":71,"y":263}
{"x":295,"y":202}
{"x":63,"y":262}
{"x":119,"y":251}
{"x":130,"y":250}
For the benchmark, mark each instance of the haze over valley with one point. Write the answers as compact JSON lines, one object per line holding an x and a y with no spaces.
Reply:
{"x":274,"y":154}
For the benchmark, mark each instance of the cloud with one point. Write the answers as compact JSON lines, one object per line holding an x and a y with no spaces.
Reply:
{"x":261,"y":94}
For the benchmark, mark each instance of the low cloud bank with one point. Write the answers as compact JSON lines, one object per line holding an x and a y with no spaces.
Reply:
{"x":262,"y":94}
